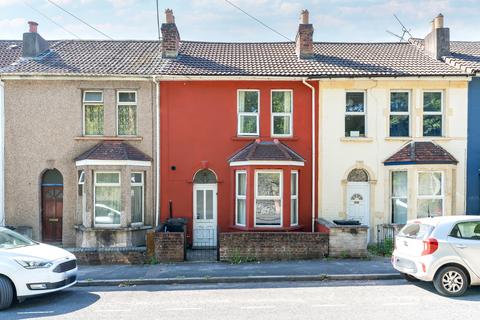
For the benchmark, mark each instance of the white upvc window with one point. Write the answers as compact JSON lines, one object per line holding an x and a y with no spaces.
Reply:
{"x":294,"y":198}
{"x":137,"y":186}
{"x":107,"y":199}
{"x":399,"y":114}
{"x":433,"y":113}
{"x":241,"y":198}
{"x":399,"y":196}
{"x":248,"y":109}
{"x":126,"y":113}
{"x":93,"y":113}
{"x":430,"y":194}
{"x":268,"y":198}
{"x":282,"y":113}
{"x":355,"y":114}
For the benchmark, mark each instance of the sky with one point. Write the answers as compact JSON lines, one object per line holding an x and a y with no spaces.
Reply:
{"x":216,"y":20}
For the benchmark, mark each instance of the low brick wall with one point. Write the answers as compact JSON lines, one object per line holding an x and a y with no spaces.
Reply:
{"x":94,"y":256}
{"x":346,"y":241}
{"x":169,"y":246}
{"x":258,"y":246}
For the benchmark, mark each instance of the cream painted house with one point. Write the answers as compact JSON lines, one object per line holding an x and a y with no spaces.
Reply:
{"x":392,"y":149}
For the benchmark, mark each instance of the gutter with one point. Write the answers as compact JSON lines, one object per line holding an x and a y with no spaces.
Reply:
{"x":2,"y":153}
{"x":312,"y":88}
{"x":156,"y":83}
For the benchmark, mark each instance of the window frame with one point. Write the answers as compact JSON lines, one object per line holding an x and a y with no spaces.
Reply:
{"x":136,"y":184}
{"x":85,"y":103}
{"x":95,"y":185}
{"x":135,"y":103}
{"x":257,"y":197}
{"x":282,"y":114}
{"x":240,"y":197}
{"x":392,"y":197}
{"x":364,"y":113}
{"x":401,"y":113}
{"x":430,"y":197}
{"x":294,"y":197}
{"x":240,"y":114}
{"x":433,"y":113}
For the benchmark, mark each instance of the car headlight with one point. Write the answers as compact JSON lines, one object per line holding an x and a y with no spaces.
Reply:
{"x":34,"y":264}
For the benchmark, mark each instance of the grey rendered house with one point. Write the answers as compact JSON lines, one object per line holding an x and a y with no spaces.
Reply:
{"x":80,"y":138}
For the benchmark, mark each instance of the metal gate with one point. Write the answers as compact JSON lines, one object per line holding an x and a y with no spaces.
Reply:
{"x":206,"y":249}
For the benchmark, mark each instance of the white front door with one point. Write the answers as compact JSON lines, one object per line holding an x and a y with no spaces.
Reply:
{"x":204,"y":215}
{"x":358,"y":202}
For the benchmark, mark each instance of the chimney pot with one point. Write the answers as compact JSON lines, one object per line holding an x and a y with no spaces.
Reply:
{"x":32,"y":26}
{"x":439,"y":21}
{"x":304,"y":15}
{"x":169,"y":17}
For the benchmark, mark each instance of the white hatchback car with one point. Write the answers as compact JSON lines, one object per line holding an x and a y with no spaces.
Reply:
{"x":445,"y":250}
{"x":29,"y":268}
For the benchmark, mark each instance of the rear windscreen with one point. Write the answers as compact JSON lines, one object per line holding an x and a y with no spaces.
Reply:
{"x":416,"y":231}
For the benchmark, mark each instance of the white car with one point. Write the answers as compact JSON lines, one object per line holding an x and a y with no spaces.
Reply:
{"x":445,"y":250}
{"x":29,"y":268}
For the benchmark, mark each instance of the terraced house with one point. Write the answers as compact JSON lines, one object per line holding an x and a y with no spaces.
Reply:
{"x":233,"y":137}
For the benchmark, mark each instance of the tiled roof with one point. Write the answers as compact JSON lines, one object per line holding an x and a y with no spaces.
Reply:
{"x":330,"y":60}
{"x":113,"y":150}
{"x":93,"y":57}
{"x":266,"y":151}
{"x":464,"y":55}
{"x":99,"y":57}
{"x":424,"y":152}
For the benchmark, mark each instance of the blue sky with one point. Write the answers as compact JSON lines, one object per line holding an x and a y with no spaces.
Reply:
{"x":216,"y":20}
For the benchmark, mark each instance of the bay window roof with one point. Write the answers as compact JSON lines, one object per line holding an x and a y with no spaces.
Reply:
{"x":266,"y":151}
{"x":116,"y":152}
{"x":421,"y":152}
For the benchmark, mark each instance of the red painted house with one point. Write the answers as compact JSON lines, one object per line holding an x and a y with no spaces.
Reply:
{"x":236,"y":143}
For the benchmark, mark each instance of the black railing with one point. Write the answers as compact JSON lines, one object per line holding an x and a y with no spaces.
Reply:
{"x":386,"y":238}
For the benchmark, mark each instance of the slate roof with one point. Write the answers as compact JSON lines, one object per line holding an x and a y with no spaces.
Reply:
{"x":113,"y":150}
{"x":87,"y":57}
{"x":266,"y":151}
{"x":464,"y":55}
{"x":110,"y":57}
{"x":421,"y":152}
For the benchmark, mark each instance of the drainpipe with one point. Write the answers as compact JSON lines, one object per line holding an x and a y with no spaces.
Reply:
{"x":2,"y":154}
{"x":312,"y":88}
{"x":156,"y":82}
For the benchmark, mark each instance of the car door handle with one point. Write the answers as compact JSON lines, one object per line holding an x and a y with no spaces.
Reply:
{"x":461,"y":246}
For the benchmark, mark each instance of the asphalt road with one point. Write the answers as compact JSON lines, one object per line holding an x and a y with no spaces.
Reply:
{"x":394,"y":299}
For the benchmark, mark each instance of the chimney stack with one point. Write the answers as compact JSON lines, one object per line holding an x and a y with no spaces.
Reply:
{"x":170,"y":36}
{"x":437,"y":42}
{"x":304,"y":38}
{"x":33,"y":43}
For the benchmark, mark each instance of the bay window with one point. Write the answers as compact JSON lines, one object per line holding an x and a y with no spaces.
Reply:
{"x":138,"y":197}
{"x":281,"y":112}
{"x":93,"y":110}
{"x":268,"y":198}
{"x":241,"y":198}
{"x":294,"y":198}
{"x":432,"y":114}
{"x":399,"y":114}
{"x":107,"y":199}
{"x":430,"y":194}
{"x":127,"y":113}
{"x":399,"y":197}
{"x":355,"y":112}
{"x":248,"y":110}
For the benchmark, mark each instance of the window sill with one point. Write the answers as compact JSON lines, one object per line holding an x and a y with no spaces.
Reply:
{"x":398,"y":138}
{"x":247,"y":138}
{"x":110,"y":138}
{"x":355,"y":139}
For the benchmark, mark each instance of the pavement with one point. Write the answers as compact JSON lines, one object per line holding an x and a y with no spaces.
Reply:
{"x":218,"y":272}
{"x":339,"y":300}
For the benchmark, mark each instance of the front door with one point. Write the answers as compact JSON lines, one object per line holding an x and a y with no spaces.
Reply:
{"x":52,"y":213}
{"x":204,"y":215}
{"x":358,"y":202}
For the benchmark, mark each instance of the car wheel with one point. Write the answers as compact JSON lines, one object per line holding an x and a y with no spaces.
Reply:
{"x":451,"y":282}
{"x":409,"y":278}
{"x":6,"y":293}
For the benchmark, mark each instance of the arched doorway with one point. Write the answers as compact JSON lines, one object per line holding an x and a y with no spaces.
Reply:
{"x":52,"y":206}
{"x":205,"y":209}
{"x":358,"y":196}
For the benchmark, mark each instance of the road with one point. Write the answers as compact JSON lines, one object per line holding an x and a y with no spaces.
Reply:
{"x":337,"y":300}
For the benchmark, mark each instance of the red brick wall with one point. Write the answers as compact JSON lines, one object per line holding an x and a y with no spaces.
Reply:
{"x":169,"y":246}
{"x":272,"y":245}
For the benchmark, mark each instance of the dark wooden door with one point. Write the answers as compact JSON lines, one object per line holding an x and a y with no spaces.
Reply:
{"x":52,"y":213}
